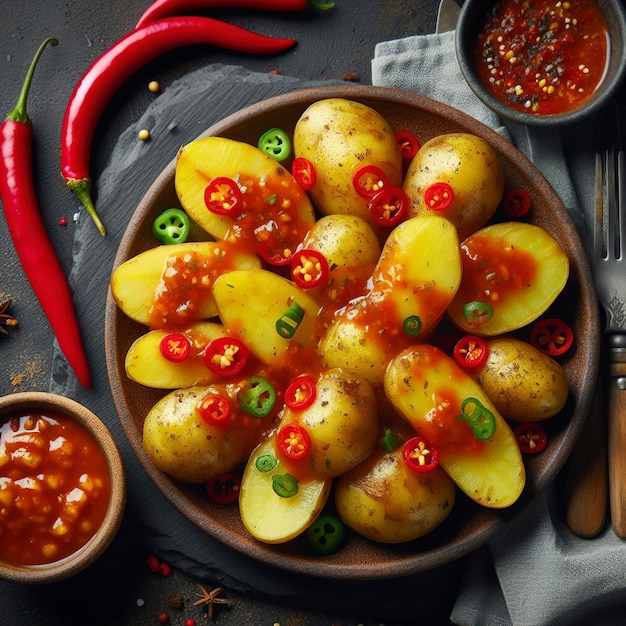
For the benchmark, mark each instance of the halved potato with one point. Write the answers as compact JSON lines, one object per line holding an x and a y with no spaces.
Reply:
{"x":428,"y":388}
{"x":265,"y":185}
{"x":251,"y":303}
{"x":269,"y":517}
{"x":514,"y":271}
{"x":146,"y":365}
{"x":170,"y":285}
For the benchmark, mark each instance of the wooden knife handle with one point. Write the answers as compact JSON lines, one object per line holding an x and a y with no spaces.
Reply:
{"x":587,"y":474}
{"x":617,"y":446}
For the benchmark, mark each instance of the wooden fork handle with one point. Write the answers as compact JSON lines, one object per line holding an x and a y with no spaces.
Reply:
{"x":616,"y":408}
{"x":587,"y":474}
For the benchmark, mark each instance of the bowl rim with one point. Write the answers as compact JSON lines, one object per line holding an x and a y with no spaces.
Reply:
{"x":424,"y":560}
{"x":87,"y":554}
{"x":466,"y":25}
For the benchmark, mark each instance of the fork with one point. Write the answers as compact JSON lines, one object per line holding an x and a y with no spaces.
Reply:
{"x":609,"y":270}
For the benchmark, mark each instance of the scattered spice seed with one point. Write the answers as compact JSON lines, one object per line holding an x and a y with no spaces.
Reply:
{"x":154,"y":86}
{"x":164,"y":618}
{"x":165,"y":568}
{"x":6,"y":321}
{"x":63,"y":222}
{"x":175,"y":601}
{"x":190,"y":622}
{"x":153,"y":563}
{"x":144,"y":134}
{"x":352,"y":77}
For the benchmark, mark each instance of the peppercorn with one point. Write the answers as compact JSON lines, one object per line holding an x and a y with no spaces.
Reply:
{"x":164,"y":618}
{"x":175,"y":601}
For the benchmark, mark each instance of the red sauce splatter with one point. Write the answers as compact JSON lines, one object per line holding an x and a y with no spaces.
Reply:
{"x":543,"y":57}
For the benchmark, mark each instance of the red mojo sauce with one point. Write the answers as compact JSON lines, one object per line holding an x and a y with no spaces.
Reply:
{"x":55,"y":488}
{"x":543,"y":57}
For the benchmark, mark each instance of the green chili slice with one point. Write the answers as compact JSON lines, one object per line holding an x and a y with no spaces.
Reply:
{"x":326,"y":534}
{"x":412,"y":325}
{"x":276,"y":143}
{"x":266,"y":463}
{"x":289,"y":321}
{"x":257,"y":396}
{"x":172,"y":226}
{"x":481,"y":419}
{"x":285,"y":485}
{"x":389,"y":440}
{"x":477,"y":313}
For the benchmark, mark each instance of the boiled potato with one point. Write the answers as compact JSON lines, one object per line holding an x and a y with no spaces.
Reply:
{"x":515,"y":271}
{"x":146,"y":365}
{"x":524,"y":384}
{"x":346,"y":241}
{"x":339,"y":137}
{"x":270,"y":517}
{"x":472,"y":169}
{"x":251,"y":302}
{"x":386,"y":501}
{"x":428,"y":388}
{"x":341,"y":422}
{"x":154,"y":287}
{"x":405,"y":284}
{"x":180,"y":443}
{"x":258,"y":174}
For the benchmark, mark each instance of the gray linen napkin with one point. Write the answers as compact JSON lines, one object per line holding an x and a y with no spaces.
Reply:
{"x":543,"y":573}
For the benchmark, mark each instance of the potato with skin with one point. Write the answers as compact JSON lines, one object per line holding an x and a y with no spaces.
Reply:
{"x":386,"y":501}
{"x":340,"y":136}
{"x":146,"y":365}
{"x":182,"y":444}
{"x":417,"y":275}
{"x":513,"y":269}
{"x":346,"y":241}
{"x":342,"y":422}
{"x":266,"y":515}
{"x":428,"y":388}
{"x":137,"y":283}
{"x":524,"y":384}
{"x":470,"y":166}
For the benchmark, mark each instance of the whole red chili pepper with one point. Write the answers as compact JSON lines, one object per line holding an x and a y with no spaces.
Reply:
{"x":165,"y":8}
{"x":103,"y":78}
{"x":36,"y":253}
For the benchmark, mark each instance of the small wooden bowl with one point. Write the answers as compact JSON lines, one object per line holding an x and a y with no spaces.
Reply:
{"x":39,"y":402}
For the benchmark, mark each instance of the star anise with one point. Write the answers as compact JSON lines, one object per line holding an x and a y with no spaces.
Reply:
{"x":6,"y":321}
{"x":210,"y":599}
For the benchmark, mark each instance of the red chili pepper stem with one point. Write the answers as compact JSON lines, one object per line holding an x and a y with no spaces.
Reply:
{"x":26,"y":227}
{"x":109,"y":71}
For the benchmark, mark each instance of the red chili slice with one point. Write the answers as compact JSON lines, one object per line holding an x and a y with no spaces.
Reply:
{"x":226,"y":356}
{"x":531,"y":437}
{"x":408,"y":144}
{"x":175,"y":347}
{"x":419,"y":455}
{"x":552,"y":336}
{"x":224,"y":488}
{"x":369,"y":180}
{"x":389,"y":206}
{"x":309,"y":269}
{"x":304,"y":172}
{"x":214,"y":409}
{"x":301,"y":393}
{"x":516,"y":203}
{"x":294,"y":442}
{"x":438,"y":196}
{"x":223,"y":197}
{"x":471,"y":352}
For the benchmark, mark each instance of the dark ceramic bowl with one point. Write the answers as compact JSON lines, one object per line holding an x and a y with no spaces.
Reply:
{"x":51,"y":404}
{"x":469,"y":26}
{"x":469,"y":525}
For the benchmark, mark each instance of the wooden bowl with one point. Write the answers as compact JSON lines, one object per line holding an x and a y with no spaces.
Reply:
{"x":27,"y":403}
{"x":468,"y":526}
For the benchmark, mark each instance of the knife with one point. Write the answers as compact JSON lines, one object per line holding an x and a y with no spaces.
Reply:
{"x":447,"y":16}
